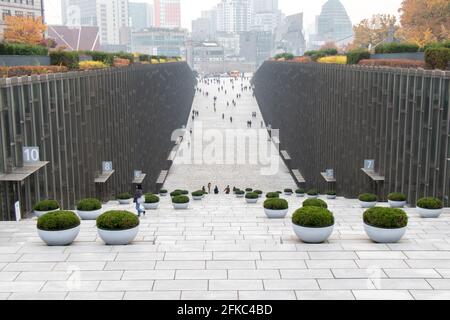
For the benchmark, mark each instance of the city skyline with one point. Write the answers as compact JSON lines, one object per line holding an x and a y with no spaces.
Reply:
{"x":356,"y":9}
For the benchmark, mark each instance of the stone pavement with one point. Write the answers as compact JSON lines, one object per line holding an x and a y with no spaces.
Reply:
{"x":223,"y":248}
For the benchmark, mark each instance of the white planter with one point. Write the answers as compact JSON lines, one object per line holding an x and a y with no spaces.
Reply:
{"x":276,"y":214}
{"x":300,"y":195}
{"x":125,"y":201}
{"x":59,"y":238}
{"x":119,"y":237}
{"x":197,"y":197}
{"x":251,"y":201}
{"x":381,"y":235}
{"x":288,"y":193}
{"x":367,"y":205}
{"x":41,"y":213}
{"x":151,"y":206}
{"x":312,"y":197}
{"x":180,"y":206}
{"x":396,"y":204}
{"x":260,"y":195}
{"x":89,"y":215}
{"x":429,"y":213}
{"x":313,"y":235}
{"x":331,"y":197}
{"x":240,"y":195}
{"x":163,"y":194}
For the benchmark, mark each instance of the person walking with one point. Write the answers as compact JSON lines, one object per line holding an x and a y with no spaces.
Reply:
{"x":209,"y":187}
{"x":231,"y":119}
{"x":227,"y":190}
{"x":137,"y":200}
{"x":216,"y":190}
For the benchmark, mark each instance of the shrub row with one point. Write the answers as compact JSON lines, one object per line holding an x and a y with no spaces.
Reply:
{"x":22,"y":71}
{"x":394,"y":47}
{"x":396,"y":63}
{"x":355,"y":56}
{"x":437,"y":58}
{"x":317,"y":54}
{"x":22,"y":49}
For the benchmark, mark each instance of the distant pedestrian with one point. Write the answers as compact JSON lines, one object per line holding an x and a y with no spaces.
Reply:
{"x":216,"y":190}
{"x":209,"y":187}
{"x":227,"y":190}
{"x":138,"y":200}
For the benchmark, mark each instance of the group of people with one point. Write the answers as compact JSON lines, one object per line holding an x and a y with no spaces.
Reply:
{"x":227,"y":190}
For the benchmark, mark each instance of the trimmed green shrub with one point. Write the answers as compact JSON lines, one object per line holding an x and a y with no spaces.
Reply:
{"x":58,"y":221}
{"x":184,"y":192}
{"x":286,"y":56}
{"x":162,"y":191}
{"x":443,"y":44}
{"x":313,"y":192}
{"x":437,"y":58}
{"x":355,"y":56}
{"x":151,"y":198}
{"x":258,"y":192}
{"x":89,"y":205}
{"x":46,"y":205}
{"x":272,"y":195}
{"x":176,"y":193}
{"x":198,"y":193}
{"x":124,"y":55}
{"x":117,"y":221}
{"x":180,"y":199}
{"x":279,"y":192}
{"x":251,"y":195}
{"x":397,"y":196}
{"x":69,"y":59}
{"x":276,"y":204}
{"x":288,"y":190}
{"x":313,"y":217}
{"x":145,"y":58}
{"x":331,"y":193}
{"x":248,"y":190}
{"x":430,"y":203}
{"x":239,"y":192}
{"x":315,"y":203}
{"x":300,"y":191}
{"x":368,"y":197}
{"x":105,"y":57}
{"x":317,"y":54}
{"x":124,"y":196}
{"x":20,"y":49}
{"x":386,"y":218}
{"x":395,"y":47}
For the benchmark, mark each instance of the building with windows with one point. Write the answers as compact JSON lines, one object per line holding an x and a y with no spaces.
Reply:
{"x":234,"y":16}
{"x":140,"y":15}
{"x":201,"y":55}
{"x":160,"y":41}
{"x":256,"y":46}
{"x":289,"y":35}
{"x":167,"y":13}
{"x":334,"y":24}
{"x":28,"y":8}
{"x":265,"y":15}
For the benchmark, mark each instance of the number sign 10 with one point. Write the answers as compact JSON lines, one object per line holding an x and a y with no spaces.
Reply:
{"x":30,"y":154}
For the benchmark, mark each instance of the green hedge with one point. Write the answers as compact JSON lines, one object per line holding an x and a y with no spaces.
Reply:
{"x":313,"y":217}
{"x":276,"y":204}
{"x":437,"y":58}
{"x":430,"y":203}
{"x":315,"y":203}
{"x":317,"y":54}
{"x":355,"y":56}
{"x":58,"y":221}
{"x":117,"y":220}
{"x":69,"y":59}
{"x":286,"y":56}
{"x":22,"y":49}
{"x":386,"y":218}
{"x":46,"y":205}
{"x":395,"y":47}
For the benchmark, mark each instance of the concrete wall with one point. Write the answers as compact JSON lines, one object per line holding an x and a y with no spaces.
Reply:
{"x":79,"y":119}
{"x":335,"y":117}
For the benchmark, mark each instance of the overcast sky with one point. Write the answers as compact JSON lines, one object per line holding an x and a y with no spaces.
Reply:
{"x":190,"y":10}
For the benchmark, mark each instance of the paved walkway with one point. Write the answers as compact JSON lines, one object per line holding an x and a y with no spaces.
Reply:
{"x":214,"y":157}
{"x":222,"y":248}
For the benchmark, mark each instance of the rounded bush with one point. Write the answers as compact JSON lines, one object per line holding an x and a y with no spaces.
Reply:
{"x":58,"y":221}
{"x":184,"y":192}
{"x":176,"y":193}
{"x":276,"y":204}
{"x":386,"y":218}
{"x":258,"y":192}
{"x":368,"y":197}
{"x":151,"y":198}
{"x":331,"y":193}
{"x":239,"y":192}
{"x":180,"y":199}
{"x":248,"y":190}
{"x":313,"y":217}
{"x":162,"y":191}
{"x":272,"y":195}
{"x":397,"y":196}
{"x":46,"y":205}
{"x":315,"y":203}
{"x":124,"y":196}
{"x":198,"y":193}
{"x":89,"y":205}
{"x":313,"y":192}
{"x":430,"y":203}
{"x":117,"y":220}
{"x":288,"y":190}
{"x":251,"y":195}
{"x":279,"y":192}
{"x":300,"y":191}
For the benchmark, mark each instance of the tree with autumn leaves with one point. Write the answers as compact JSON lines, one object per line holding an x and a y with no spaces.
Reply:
{"x":24,"y":30}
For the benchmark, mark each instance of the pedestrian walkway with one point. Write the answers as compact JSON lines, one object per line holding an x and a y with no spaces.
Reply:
{"x":204,"y":167}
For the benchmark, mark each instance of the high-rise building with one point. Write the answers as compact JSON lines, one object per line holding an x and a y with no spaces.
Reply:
{"x":202,"y":29}
{"x":260,"y":6}
{"x":141,"y":15}
{"x":334,"y":24}
{"x":234,"y":16}
{"x":265,"y":15}
{"x":111,"y":16}
{"x":289,"y":35}
{"x":256,"y":46}
{"x":160,"y":41}
{"x":167,"y":13}
{"x":29,"y":8}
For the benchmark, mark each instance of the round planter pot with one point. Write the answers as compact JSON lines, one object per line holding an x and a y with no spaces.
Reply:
{"x":89,"y":215}
{"x":251,"y":201}
{"x":59,"y":238}
{"x":180,"y":206}
{"x":260,"y":195}
{"x":119,"y":237}
{"x":197,"y":197}
{"x":429,"y":213}
{"x":163,"y":194}
{"x":381,"y":235}
{"x":312,"y":197}
{"x":240,"y":195}
{"x":396,"y":204}
{"x":300,"y":195}
{"x":151,"y":206}
{"x":276,"y":214}
{"x":41,"y":213}
{"x":331,"y":197}
{"x":288,"y":193}
{"x":313,"y":235}
{"x":125,"y":201}
{"x":367,"y":205}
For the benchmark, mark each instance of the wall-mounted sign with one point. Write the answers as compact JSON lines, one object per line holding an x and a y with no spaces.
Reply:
{"x":329,"y":173}
{"x":30,"y":155}
{"x":107,"y":166}
{"x":137,"y":173}
{"x":369,"y":164}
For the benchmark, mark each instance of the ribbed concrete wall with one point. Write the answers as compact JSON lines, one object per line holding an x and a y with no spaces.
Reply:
{"x":335,"y":117}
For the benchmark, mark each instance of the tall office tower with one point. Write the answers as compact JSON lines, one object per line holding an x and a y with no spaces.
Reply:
{"x":141,"y":15}
{"x":167,"y":13}
{"x":289,"y":35}
{"x":333,"y":23}
{"x":111,"y":16}
{"x":234,"y":16}
{"x":265,"y":15}
{"x":265,"y":6}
